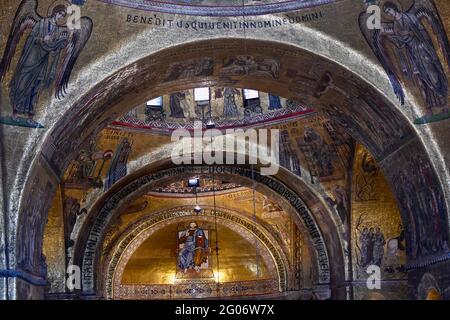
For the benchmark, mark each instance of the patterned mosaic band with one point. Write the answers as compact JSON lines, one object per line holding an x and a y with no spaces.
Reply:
{"x":197,"y":290}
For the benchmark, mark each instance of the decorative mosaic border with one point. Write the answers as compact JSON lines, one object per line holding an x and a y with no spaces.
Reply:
{"x":428,"y":262}
{"x":272,"y":118}
{"x":206,"y":290}
{"x":223,"y":11}
{"x":201,"y":191}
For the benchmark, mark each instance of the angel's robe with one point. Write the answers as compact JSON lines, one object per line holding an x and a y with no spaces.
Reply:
{"x":37,"y":65}
{"x":409,"y":34}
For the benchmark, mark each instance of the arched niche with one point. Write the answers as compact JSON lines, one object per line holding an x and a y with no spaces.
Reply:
{"x":317,"y":226}
{"x":273,"y":259}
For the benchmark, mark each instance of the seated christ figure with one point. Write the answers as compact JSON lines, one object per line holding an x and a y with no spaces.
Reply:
{"x":194,"y":250}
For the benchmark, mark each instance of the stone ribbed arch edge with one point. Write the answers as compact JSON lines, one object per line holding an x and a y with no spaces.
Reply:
{"x":99,"y":226}
{"x":127,"y":245}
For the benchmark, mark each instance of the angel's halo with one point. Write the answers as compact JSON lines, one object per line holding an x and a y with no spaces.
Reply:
{"x":65,"y":3}
{"x":402,"y":5}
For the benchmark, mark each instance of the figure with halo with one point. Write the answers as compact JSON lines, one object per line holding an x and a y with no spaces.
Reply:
{"x":47,"y":58}
{"x":405,"y":49}
{"x":194,"y":246}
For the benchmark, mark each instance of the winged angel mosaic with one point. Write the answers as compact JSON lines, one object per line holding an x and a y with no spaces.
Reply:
{"x":47,"y":58}
{"x":404,"y":46}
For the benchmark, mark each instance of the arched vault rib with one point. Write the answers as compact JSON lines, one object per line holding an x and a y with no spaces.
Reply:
{"x":104,"y":96}
{"x":119,"y":196}
{"x":137,"y":233}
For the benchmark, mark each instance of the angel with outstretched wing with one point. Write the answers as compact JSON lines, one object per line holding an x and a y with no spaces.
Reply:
{"x":48,"y":56}
{"x":403,"y":45}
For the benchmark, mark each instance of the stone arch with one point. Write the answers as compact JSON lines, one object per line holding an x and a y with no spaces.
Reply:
{"x":130,"y":85}
{"x":323,"y":244}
